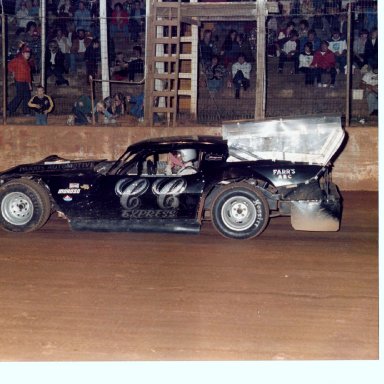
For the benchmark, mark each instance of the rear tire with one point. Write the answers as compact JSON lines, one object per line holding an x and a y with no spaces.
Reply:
{"x":25,"y":206}
{"x":240,"y":212}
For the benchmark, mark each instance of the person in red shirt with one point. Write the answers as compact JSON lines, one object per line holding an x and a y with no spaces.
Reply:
{"x":324,"y":61}
{"x":21,"y":70}
{"x":119,"y":21}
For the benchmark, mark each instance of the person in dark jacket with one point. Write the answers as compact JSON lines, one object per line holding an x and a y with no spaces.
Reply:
{"x":92,"y":58}
{"x":371,"y":49}
{"x":54,"y":63}
{"x":41,"y":104}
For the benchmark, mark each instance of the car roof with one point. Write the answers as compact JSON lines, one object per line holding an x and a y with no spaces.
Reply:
{"x":173,"y":142}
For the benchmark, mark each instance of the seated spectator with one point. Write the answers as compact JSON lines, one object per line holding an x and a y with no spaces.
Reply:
{"x":295,"y":7}
{"x":207,"y":48}
{"x":65,"y":13}
{"x":119,"y":69}
{"x":51,"y":6}
{"x":370,"y":83}
{"x":35,"y":9}
{"x":359,"y":48}
{"x":305,"y":61}
{"x":311,"y":38}
{"x":117,"y":105}
{"x":215,"y":74}
{"x":324,"y":61}
{"x":303,"y":29}
{"x":370,"y":20}
{"x":271,"y":35}
{"x":241,"y":72}
{"x":230,"y":49}
{"x":283,"y":36}
{"x":22,"y":18}
{"x":119,"y":21}
{"x":92,"y":58}
{"x":32,"y":38}
{"x":290,"y":52}
{"x":339,"y":47}
{"x":80,"y":42}
{"x":54,"y":63}
{"x":371,"y":49}
{"x":136,"y":105}
{"x":244,"y":47}
{"x":95,"y":16}
{"x":82,"y":18}
{"x":101,"y":111}
{"x":135,"y":63}
{"x":81,"y":111}
{"x":341,"y":24}
{"x":18,"y":4}
{"x":128,"y":6}
{"x":136,"y":21}
{"x":307,"y":8}
{"x":65,"y":46}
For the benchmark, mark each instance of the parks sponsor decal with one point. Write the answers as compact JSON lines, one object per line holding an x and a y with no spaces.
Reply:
{"x":283,"y":173}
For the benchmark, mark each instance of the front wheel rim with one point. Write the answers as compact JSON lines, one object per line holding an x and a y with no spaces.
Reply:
{"x":17,"y":208}
{"x":239,"y":213}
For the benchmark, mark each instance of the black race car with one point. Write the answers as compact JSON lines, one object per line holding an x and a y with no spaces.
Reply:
{"x":172,"y":184}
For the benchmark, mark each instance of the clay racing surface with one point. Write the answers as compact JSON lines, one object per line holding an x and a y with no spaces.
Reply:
{"x":69,"y":296}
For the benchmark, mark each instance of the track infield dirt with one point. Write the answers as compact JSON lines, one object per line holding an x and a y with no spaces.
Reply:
{"x":68,"y":296}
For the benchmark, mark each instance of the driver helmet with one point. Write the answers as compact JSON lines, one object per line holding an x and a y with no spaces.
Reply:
{"x":188,"y":155}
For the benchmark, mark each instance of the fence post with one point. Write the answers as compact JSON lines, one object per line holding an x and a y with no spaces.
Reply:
{"x":43,"y":10}
{"x":261,"y":11}
{"x":349,"y":72}
{"x":4,"y":66}
{"x":91,"y":82}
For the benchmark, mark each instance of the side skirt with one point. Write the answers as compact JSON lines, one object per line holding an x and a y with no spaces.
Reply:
{"x":161,"y":226}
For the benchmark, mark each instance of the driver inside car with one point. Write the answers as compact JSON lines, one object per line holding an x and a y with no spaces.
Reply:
{"x":181,"y":162}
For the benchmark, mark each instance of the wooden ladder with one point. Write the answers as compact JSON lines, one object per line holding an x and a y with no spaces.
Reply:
{"x":163,"y":56}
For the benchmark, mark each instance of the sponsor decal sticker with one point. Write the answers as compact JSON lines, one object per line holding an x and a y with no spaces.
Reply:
{"x":74,"y":185}
{"x":85,"y":187}
{"x":72,"y":191}
{"x":284,"y":173}
{"x":67,"y":198}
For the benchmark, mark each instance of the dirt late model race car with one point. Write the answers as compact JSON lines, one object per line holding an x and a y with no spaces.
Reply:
{"x":256,"y":171}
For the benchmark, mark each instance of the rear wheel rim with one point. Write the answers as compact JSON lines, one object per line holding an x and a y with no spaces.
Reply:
{"x":17,"y":208}
{"x":239,"y":213}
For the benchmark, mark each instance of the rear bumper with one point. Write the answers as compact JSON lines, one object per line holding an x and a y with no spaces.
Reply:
{"x":317,"y":215}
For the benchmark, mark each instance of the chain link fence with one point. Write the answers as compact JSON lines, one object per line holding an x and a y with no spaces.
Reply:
{"x":292,"y":86}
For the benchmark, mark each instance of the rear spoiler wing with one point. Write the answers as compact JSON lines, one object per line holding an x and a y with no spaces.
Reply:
{"x":312,"y":140}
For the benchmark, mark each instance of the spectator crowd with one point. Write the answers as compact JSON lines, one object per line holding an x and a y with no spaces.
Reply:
{"x":311,"y":34}
{"x":73,"y":47}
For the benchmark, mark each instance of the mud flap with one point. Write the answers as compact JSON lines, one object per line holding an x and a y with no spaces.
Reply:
{"x":320,"y":215}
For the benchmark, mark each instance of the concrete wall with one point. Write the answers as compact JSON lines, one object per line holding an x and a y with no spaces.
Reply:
{"x":356,"y":168}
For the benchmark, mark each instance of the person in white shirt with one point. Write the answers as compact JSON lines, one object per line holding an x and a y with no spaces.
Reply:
{"x":241,"y":72}
{"x":290,"y":52}
{"x":64,"y":46}
{"x":370,"y":83}
{"x":305,"y":61}
{"x":339,"y":47}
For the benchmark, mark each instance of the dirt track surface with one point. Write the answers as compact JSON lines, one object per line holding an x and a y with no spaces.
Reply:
{"x":125,"y":296}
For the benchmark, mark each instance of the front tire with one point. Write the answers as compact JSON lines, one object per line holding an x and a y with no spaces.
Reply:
{"x":240,"y":212}
{"x":24,"y":206}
